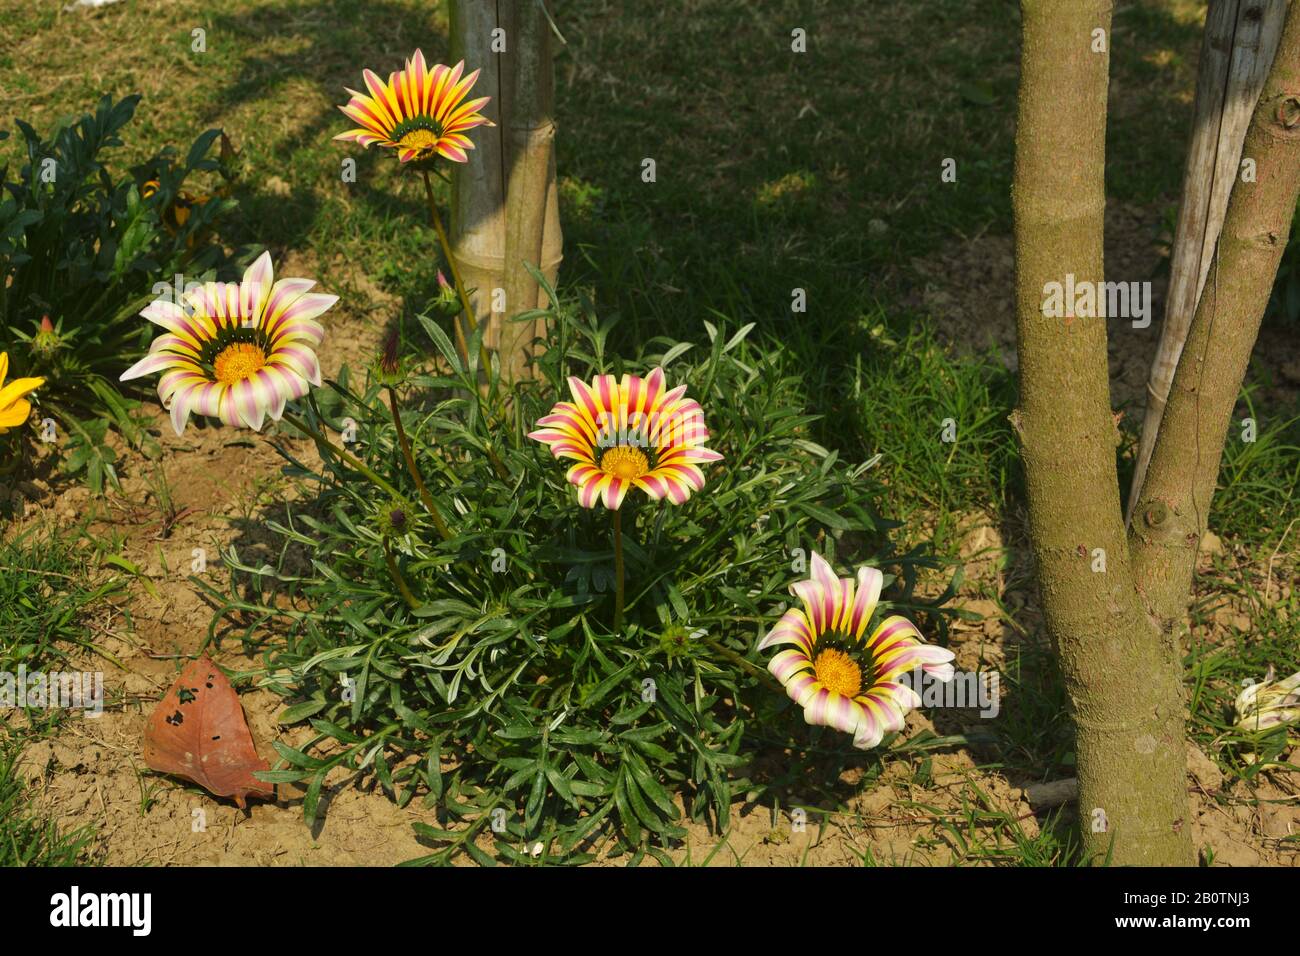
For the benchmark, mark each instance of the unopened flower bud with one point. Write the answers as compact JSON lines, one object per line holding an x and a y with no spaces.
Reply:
{"x":389,"y":367}
{"x":447,"y":297}
{"x":47,"y":340}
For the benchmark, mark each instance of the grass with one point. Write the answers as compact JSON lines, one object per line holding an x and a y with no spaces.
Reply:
{"x":44,"y":597}
{"x":29,"y":838}
{"x":44,"y":602}
{"x":775,"y":172}
{"x":1259,"y":478}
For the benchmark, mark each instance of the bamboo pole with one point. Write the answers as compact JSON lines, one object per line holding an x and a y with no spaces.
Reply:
{"x":532,"y":217}
{"x":478,"y":214}
{"x":505,"y":202}
{"x":1241,"y":38}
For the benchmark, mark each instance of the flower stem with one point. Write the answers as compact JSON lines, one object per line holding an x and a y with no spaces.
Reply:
{"x":341,"y":453}
{"x":468,"y":319}
{"x":759,"y":672}
{"x":400,"y":581}
{"x":618,"y":570}
{"x":502,"y":471}
{"x":425,"y":497}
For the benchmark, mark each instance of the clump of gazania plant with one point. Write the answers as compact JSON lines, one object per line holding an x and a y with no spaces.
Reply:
{"x":634,"y":433}
{"x":840,"y":676}
{"x":505,"y":687}
{"x":422,"y":114}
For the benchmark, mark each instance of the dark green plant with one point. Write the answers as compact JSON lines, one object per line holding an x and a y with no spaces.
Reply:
{"x":481,"y":670}
{"x":1284,"y":304}
{"x":82,"y":251}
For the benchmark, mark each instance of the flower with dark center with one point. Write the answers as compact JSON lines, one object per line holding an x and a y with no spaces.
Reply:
{"x":628,"y":434}
{"x":839,"y":676}
{"x":237,"y":351}
{"x":421,"y":113}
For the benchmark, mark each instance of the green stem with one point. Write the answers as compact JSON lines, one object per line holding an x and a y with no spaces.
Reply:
{"x":618,"y":571}
{"x":413,"y":468}
{"x":740,"y":662}
{"x":502,"y":471}
{"x":400,"y":581}
{"x":351,"y":459}
{"x":469,"y":320}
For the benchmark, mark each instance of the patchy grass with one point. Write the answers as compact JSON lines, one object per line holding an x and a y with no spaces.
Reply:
{"x":44,"y":603}
{"x":44,"y":597}
{"x":27,"y":837}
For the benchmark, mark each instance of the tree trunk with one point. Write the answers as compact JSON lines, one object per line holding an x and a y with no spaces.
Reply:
{"x":1241,"y":37}
{"x":532,"y":218}
{"x":1174,"y":503}
{"x":1123,"y":677}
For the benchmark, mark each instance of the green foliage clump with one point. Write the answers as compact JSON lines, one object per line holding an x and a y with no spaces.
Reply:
{"x":499,"y":691}
{"x":81,"y":252}
{"x":1284,"y":303}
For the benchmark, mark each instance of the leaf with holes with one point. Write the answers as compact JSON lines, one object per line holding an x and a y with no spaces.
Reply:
{"x":198,"y":731}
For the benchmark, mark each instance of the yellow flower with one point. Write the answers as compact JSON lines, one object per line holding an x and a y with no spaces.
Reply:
{"x":14,"y":407}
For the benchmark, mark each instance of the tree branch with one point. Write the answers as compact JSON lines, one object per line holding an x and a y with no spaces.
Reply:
{"x":1173,"y":508}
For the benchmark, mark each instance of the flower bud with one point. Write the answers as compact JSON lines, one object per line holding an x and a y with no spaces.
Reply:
{"x":47,"y":340}
{"x":447,"y":297}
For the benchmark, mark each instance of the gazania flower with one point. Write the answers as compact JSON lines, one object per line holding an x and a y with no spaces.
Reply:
{"x":1268,"y":704}
{"x":840,"y":677}
{"x":14,"y":407}
{"x":628,"y":434}
{"x":419,"y":112}
{"x":236,"y":350}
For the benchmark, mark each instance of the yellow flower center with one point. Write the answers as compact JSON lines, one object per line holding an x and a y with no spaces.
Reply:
{"x":625,"y":462}
{"x":237,"y":362}
{"x":419,"y":139}
{"x":836,"y":670}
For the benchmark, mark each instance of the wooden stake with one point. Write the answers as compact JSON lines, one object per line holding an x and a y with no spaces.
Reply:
{"x":1241,"y":38}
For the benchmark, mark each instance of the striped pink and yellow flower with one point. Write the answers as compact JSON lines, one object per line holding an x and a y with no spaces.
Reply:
{"x":839,"y":676}
{"x":237,"y":351}
{"x":627,"y":434}
{"x":420,"y":112}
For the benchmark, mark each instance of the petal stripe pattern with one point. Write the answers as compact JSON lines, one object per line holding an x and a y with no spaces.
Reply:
{"x":833,"y":689}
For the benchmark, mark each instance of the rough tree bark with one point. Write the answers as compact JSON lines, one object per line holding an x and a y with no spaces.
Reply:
{"x":1112,"y":604}
{"x":1123,"y":680}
